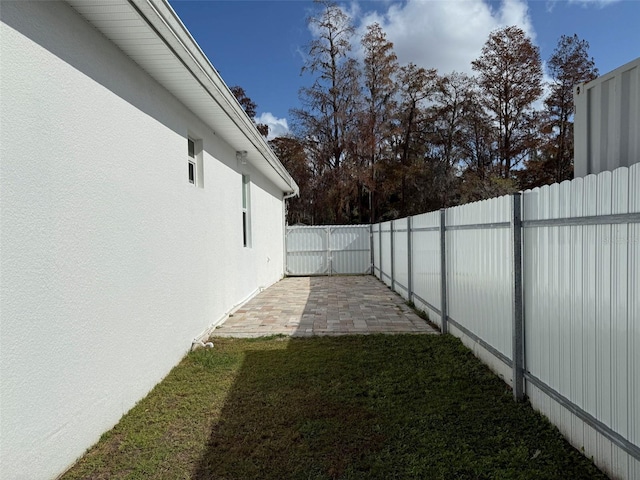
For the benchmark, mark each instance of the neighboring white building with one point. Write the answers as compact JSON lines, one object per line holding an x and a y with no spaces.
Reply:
{"x":607,"y":121}
{"x":124,"y":233}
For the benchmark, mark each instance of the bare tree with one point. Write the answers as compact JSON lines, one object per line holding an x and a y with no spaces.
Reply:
{"x":417,"y":86}
{"x":376,"y":141}
{"x":380,"y":67}
{"x":327,"y":121}
{"x":294,"y":158}
{"x":330,"y":101}
{"x":451,"y":111}
{"x":249,"y":106}
{"x":570,"y":64}
{"x":510,"y":75}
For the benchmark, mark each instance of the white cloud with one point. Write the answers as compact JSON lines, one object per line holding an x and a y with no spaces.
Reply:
{"x":551,"y":4}
{"x":277,"y":126}
{"x":446,"y":35}
{"x":597,"y":3}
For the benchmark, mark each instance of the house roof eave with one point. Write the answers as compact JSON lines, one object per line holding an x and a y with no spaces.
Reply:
{"x":173,"y":58}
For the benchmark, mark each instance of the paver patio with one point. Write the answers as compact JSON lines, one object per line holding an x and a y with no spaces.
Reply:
{"x":306,"y":306}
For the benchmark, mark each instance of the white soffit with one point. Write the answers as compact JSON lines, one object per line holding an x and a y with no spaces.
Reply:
{"x":152,"y":35}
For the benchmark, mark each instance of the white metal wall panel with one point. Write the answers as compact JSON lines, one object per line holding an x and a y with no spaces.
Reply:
{"x":576,"y":316}
{"x":326,"y":250}
{"x":603,"y":371}
{"x":400,"y":257}
{"x":607,"y":121}
{"x":375,"y":232}
{"x":307,"y":250}
{"x":619,"y":385}
{"x":553,"y":265}
{"x":581,"y":316}
{"x":589,"y":313}
{"x":581,"y":299}
{"x":633,"y":325}
{"x":385,"y":249}
{"x":350,"y":249}
{"x":565,"y":300}
{"x":425,"y":270}
{"x":534,"y":281}
{"x":530,"y":262}
{"x":479,"y":280}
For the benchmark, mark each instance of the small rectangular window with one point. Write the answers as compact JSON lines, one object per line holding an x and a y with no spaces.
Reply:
{"x":245,"y":239}
{"x":192,"y":173}
{"x":191,"y":146}
{"x":192,"y":161}
{"x":246,"y":212}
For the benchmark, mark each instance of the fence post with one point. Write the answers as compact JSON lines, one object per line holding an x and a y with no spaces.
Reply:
{"x":443,"y":271}
{"x":380,"y":248}
{"x":409,"y":260}
{"x":393,"y":280}
{"x":329,"y":252}
{"x":371,"y":253}
{"x":286,"y":249}
{"x":518,"y":314}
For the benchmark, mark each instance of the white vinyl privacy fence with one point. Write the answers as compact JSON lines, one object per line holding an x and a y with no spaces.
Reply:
{"x":544,"y":286}
{"x":328,"y":250}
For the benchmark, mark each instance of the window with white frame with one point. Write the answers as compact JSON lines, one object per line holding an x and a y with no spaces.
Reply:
{"x":246,"y":211}
{"x":192,"y":161}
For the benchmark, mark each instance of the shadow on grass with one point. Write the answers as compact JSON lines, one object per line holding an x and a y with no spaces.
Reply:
{"x":288,"y":416}
{"x":407,"y":406}
{"x":352,"y":407}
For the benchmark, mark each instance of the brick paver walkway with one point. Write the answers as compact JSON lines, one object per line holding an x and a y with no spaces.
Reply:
{"x":305,"y":306}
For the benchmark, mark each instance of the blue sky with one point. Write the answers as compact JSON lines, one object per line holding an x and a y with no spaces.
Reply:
{"x":260,"y":44}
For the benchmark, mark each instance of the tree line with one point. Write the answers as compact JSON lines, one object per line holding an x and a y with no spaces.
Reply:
{"x":374,"y":140}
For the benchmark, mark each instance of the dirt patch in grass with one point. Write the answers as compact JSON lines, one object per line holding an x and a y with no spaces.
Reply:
{"x":366,"y":407}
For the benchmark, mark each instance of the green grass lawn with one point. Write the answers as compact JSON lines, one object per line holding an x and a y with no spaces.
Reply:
{"x":366,"y":407}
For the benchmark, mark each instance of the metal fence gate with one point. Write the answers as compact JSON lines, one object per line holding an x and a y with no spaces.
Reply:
{"x":328,"y":250}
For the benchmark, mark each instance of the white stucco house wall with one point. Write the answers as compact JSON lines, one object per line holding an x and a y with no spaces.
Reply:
{"x":124,"y":234}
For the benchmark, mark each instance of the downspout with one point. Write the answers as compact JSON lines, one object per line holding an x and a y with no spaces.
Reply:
{"x":285,"y":197}
{"x":290,"y":195}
